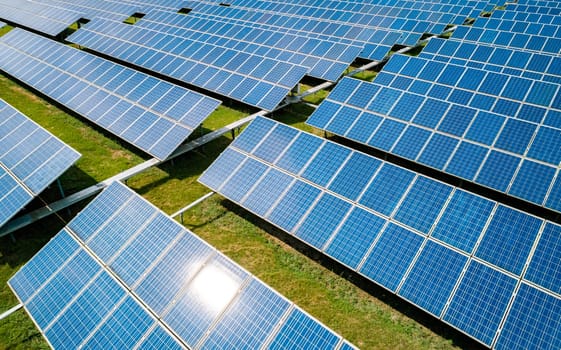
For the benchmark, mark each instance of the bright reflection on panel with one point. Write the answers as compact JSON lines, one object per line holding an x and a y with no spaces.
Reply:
{"x":215,"y":286}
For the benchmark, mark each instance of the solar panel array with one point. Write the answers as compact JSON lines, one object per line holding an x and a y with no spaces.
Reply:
{"x":38,"y":16}
{"x":118,"y":11}
{"x":511,"y":61}
{"x":534,"y":32}
{"x":375,"y":42}
{"x":411,"y":18}
{"x":486,"y":269}
{"x":498,"y":130}
{"x":249,"y":78}
{"x":152,"y":114}
{"x":30,"y":160}
{"x":124,"y":275}
{"x":324,"y":59}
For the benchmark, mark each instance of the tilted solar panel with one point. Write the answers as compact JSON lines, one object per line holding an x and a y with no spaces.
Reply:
{"x":117,"y":11}
{"x":38,"y":16}
{"x":457,"y":255}
{"x":249,"y":78}
{"x":30,"y":160}
{"x":376,"y":42}
{"x":123,"y":274}
{"x":152,"y":114}
{"x":324,"y":59}
{"x":498,"y":130}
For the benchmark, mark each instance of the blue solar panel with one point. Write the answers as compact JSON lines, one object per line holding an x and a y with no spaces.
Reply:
{"x":544,"y":268}
{"x":152,"y":114}
{"x":391,"y":256}
{"x":483,"y":293}
{"x":441,"y":248}
{"x":433,"y":277}
{"x":41,"y":17}
{"x":264,"y":88}
{"x":515,"y":227}
{"x":534,"y":321}
{"x":153,"y":277}
{"x":449,"y":128}
{"x":324,"y":59}
{"x":30,"y":160}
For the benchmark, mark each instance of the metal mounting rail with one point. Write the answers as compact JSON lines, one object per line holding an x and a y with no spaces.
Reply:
{"x":24,"y":220}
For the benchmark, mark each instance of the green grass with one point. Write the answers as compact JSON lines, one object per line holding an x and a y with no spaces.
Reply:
{"x":364,"y":319}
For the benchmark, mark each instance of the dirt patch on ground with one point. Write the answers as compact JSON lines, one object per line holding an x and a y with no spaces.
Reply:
{"x":116,"y":154}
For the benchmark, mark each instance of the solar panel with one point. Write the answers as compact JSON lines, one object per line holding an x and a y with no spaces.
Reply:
{"x":151,"y":114}
{"x":249,"y":78}
{"x":324,"y":59}
{"x":495,"y":129}
{"x":38,"y":16}
{"x":31,"y":158}
{"x":117,"y":11}
{"x":532,"y":65}
{"x":408,"y":17}
{"x":122,"y":274}
{"x":456,"y":255}
{"x":376,"y":42}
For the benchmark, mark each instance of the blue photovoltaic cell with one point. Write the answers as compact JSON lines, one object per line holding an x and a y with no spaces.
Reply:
{"x":275,"y":143}
{"x":545,"y":266}
{"x":423,"y":203}
{"x":324,"y":165}
{"x":229,"y":160}
{"x":270,"y":188}
{"x":517,"y":228}
{"x":480,"y":301}
{"x":463,"y":220}
{"x":466,"y":160}
{"x":411,"y":142}
{"x":147,"y":112}
{"x":532,"y":181}
{"x":160,"y":339}
{"x":250,"y":321}
{"x":391,"y":256}
{"x":498,"y":170}
{"x":355,"y":237}
{"x":437,"y":151}
{"x":84,"y":314}
{"x":260,"y":128}
{"x":245,"y":177}
{"x":299,"y":153}
{"x":387,"y":188}
{"x":297,"y":330}
{"x":353,"y":177}
{"x":534,"y":321}
{"x":293,"y":205}
{"x":167,"y":274}
{"x":546,"y":146}
{"x":324,"y":218}
{"x":128,"y":323}
{"x":36,"y":272}
{"x":515,"y":136}
{"x":433,"y":277}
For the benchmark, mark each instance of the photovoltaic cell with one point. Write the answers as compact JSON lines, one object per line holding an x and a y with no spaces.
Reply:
{"x":156,"y":118}
{"x":163,"y":278}
{"x":452,"y":253}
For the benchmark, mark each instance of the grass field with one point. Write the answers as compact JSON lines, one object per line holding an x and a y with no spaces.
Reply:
{"x":370,"y":320}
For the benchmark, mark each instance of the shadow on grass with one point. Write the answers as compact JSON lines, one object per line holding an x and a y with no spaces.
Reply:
{"x":401,"y":305}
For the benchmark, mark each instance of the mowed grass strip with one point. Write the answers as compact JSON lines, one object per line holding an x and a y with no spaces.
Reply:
{"x":360,"y":317}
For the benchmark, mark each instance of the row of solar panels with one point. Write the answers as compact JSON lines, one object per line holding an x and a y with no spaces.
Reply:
{"x":152,"y":114}
{"x":124,"y":275}
{"x":484,"y":268}
{"x":30,"y":160}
